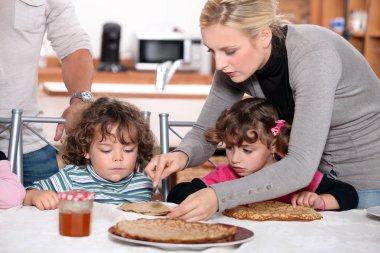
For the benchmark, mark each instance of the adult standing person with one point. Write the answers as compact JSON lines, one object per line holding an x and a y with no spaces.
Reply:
{"x":313,"y":76}
{"x":23,"y":24}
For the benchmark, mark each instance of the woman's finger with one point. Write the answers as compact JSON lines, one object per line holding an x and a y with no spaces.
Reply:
{"x":181,"y":210}
{"x":161,"y":163}
{"x":150,"y":168}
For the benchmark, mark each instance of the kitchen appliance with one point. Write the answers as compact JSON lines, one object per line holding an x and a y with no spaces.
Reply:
{"x":154,"y":48}
{"x":109,"y":58}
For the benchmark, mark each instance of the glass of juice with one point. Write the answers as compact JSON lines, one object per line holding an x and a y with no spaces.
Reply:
{"x":75,"y":212}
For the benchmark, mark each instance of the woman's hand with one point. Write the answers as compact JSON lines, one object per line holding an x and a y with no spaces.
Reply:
{"x":163,"y":165}
{"x":200,"y":205}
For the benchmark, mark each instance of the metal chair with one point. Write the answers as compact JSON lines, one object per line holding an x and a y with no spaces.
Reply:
{"x":165,"y":126}
{"x":15,"y":139}
{"x":17,"y":121}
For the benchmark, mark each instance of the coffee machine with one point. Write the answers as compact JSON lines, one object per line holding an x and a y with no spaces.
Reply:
{"x":109,"y":58}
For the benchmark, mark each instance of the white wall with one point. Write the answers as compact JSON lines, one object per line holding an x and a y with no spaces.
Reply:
{"x":134,"y":16}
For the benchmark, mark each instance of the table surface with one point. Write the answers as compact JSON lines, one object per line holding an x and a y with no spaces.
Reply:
{"x":27,"y":229}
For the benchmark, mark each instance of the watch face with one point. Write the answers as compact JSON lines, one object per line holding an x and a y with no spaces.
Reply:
{"x":86,"y":96}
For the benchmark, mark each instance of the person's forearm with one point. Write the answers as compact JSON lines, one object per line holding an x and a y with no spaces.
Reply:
{"x":78,"y":71}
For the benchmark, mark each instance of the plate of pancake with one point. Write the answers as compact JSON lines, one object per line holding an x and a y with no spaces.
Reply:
{"x":172,"y":234}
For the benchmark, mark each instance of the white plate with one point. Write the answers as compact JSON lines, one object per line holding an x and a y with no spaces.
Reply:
{"x":375,"y":210}
{"x":169,"y":204}
{"x":242,"y":235}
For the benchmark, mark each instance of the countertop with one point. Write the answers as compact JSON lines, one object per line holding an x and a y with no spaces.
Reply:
{"x":52,"y":73}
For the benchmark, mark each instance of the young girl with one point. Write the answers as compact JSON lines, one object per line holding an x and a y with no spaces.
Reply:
{"x":254,"y":139}
{"x":12,"y":192}
{"x":104,"y":150}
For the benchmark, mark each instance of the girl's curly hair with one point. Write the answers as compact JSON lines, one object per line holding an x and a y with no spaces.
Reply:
{"x":249,"y":120}
{"x":102,"y":115}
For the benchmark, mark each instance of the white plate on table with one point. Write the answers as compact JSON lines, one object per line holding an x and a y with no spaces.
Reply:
{"x":169,"y":204}
{"x":374,"y":210}
{"x":242,"y":235}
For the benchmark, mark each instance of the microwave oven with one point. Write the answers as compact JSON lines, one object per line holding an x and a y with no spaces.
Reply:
{"x":154,"y":48}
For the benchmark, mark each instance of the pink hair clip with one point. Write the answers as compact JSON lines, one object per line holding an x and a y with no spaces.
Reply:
{"x":277,"y":128}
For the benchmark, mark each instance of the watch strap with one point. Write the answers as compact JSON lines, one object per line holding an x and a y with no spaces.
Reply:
{"x":85,"y":96}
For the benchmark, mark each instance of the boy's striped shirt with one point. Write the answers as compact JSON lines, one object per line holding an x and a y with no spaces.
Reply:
{"x":134,"y":188}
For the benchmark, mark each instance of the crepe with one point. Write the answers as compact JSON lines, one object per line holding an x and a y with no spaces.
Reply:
{"x":272,"y":210}
{"x":148,"y":208}
{"x":174,"y":231}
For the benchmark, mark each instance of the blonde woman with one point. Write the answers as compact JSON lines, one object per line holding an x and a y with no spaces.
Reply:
{"x":317,"y":81}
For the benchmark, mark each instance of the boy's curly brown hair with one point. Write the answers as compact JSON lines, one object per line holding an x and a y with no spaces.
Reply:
{"x":102,"y":115}
{"x":249,"y":120}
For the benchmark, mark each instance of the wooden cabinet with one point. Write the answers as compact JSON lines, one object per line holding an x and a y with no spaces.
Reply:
{"x":53,"y":74}
{"x":372,"y":36}
{"x":296,"y":11}
{"x":363,"y":21}
{"x":366,"y":40}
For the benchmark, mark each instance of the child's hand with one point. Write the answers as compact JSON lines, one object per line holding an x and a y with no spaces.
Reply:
{"x":308,"y":199}
{"x":43,"y":199}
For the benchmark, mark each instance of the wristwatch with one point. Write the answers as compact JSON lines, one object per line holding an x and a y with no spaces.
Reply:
{"x":85,"y":96}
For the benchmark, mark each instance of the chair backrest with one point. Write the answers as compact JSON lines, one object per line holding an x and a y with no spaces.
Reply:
{"x":165,"y":126}
{"x":15,"y":139}
{"x":17,"y":121}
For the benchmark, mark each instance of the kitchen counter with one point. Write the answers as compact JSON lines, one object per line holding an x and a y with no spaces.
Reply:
{"x":52,"y":73}
{"x":137,"y":90}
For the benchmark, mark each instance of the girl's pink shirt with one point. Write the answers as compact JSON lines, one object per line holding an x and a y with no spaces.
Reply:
{"x":224,"y":173}
{"x":12,"y":192}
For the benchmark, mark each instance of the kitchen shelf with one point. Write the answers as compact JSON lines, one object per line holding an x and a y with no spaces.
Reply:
{"x":296,"y":11}
{"x":368,"y":41}
{"x":52,"y":73}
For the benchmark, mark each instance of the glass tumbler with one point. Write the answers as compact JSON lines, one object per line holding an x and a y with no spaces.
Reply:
{"x":75,"y":208}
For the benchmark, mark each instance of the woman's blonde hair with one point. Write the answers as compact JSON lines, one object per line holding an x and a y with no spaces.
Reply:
{"x":99,"y":118}
{"x":248,"y":16}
